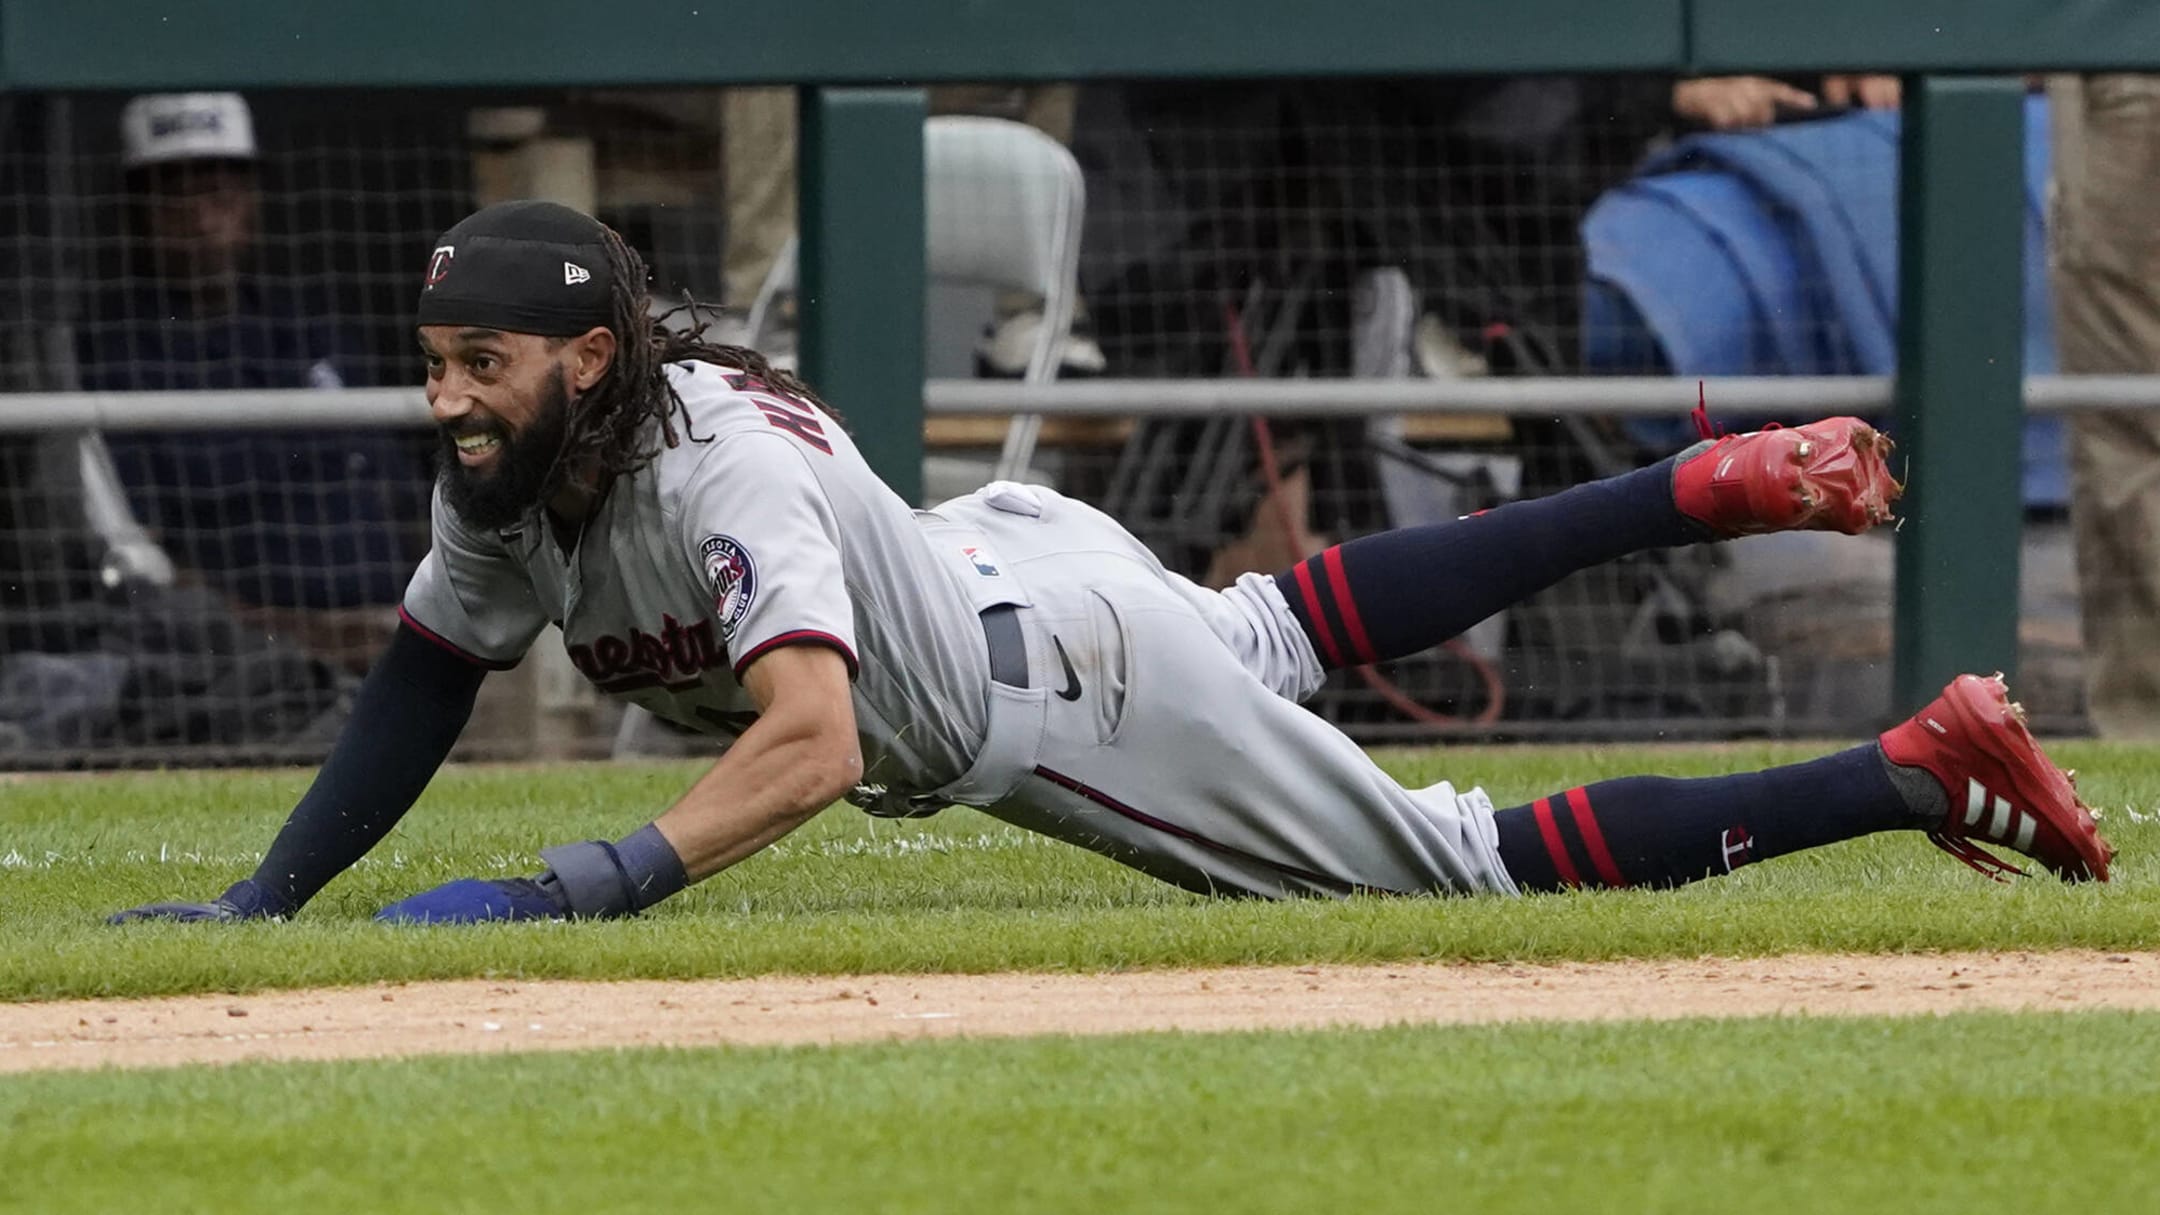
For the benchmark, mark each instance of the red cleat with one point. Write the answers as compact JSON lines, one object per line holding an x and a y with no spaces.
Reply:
{"x":1831,"y":475}
{"x":2002,"y":788}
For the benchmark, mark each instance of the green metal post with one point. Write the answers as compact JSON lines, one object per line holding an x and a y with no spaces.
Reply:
{"x":860,"y":300}
{"x":1960,"y":380}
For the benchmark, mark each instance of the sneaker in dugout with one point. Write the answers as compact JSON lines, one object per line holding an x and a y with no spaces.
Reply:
{"x":1005,"y":347}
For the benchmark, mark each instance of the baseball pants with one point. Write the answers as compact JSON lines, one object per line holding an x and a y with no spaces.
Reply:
{"x":1169,"y":735}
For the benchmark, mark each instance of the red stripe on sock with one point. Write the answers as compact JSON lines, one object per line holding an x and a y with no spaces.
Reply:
{"x":1578,"y":801}
{"x":1355,"y":627}
{"x":1549,"y":831}
{"x":1319,"y":618}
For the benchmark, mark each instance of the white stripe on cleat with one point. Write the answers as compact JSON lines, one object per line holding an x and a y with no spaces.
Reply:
{"x":1998,"y":827}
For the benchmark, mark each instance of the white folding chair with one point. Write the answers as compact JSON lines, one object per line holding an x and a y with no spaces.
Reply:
{"x":1002,"y":204}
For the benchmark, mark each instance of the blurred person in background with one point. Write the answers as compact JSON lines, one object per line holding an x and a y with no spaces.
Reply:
{"x":2105,"y":262}
{"x":1299,"y":228}
{"x":1738,"y":103}
{"x":193,"y":307}
{"x":303,"y":530}
{"x":1475,"y":188}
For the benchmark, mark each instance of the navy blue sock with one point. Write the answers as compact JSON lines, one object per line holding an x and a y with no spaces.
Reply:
{"x":1408,"y":590}
{"x":1655,"y":831}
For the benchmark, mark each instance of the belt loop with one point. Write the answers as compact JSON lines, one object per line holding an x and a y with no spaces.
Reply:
{"x":1007,"y":645}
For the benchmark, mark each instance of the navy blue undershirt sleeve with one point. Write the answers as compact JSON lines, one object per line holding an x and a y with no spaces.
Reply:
{"x":407,"y":715}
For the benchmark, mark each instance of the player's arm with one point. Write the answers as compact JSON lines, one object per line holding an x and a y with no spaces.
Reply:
{"x":757,"y":524}
{"x":798,"y":758}
{"x":407,"y":714}
{"x":468,"y":610}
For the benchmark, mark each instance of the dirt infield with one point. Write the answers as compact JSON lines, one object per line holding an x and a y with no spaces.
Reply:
{"x":481,"y":1016}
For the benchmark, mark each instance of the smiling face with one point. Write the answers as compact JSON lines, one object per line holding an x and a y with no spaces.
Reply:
{"x":502,"y":402}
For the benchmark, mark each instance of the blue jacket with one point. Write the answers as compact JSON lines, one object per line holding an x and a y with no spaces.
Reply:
{"x":302,"y":518}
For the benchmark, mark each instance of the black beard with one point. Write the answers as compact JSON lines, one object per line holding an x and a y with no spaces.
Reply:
{"x":526,"y":473}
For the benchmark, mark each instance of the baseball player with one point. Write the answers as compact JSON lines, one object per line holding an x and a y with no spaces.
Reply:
{"x":715,"y":549}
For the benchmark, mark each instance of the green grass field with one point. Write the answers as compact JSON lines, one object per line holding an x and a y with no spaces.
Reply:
{"x":2029,"y":1113}
{"x":956,"y":893}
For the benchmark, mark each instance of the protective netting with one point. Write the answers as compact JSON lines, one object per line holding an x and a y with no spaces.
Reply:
{"x":212,"y":594}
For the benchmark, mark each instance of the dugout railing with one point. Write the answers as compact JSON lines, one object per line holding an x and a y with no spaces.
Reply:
{"x":1608,"y":685}
{"x":1603,"y":396}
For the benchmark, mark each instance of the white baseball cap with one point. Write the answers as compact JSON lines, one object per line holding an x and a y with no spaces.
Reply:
{"x":160,"y":128}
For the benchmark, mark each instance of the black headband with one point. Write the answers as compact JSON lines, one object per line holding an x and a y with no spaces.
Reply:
{"x":521,"y":267}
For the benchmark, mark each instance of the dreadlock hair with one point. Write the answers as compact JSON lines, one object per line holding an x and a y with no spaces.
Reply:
{"x":612,"y":430}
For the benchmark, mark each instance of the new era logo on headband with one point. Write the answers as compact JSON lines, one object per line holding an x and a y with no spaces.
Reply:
{"x":573,"y":274}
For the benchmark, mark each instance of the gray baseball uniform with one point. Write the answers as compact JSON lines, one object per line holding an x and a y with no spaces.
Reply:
{"x":1013,"y":649}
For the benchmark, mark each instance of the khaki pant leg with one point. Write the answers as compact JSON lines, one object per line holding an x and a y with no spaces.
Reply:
{"x":2106,"y":280}
{"x":1049,"y":108}
{"x":757,"y":131}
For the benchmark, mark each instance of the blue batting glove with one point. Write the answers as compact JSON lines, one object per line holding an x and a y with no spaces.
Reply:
{"x":474,"y":900}
{"x":594,"y":880}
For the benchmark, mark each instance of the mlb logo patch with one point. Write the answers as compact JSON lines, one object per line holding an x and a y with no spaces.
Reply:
{"x":733,"y":577}
{"x":980,"y":559}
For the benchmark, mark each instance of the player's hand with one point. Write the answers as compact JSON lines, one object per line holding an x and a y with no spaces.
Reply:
{"x":584,"y":881}
{"x":475,"y":900}
{"x":1734,"y":103}
{"x":244,"y":900}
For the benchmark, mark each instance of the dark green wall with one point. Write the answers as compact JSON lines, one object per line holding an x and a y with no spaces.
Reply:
{"x":1924,"y":35}
{"x":1961,"y":347}
{"x":138,"y":44}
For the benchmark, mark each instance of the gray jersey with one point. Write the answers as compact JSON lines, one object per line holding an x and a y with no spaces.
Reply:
{"x":1132,"y":712}
{"x":763,"y":527}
